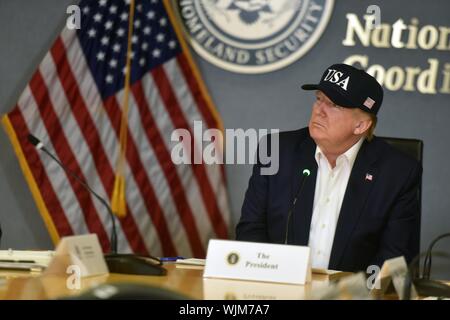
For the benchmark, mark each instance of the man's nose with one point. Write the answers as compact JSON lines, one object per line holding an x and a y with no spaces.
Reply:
{"x":319,"y":108}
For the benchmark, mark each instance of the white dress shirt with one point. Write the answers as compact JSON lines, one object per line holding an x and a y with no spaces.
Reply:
{"x":331,"y":184}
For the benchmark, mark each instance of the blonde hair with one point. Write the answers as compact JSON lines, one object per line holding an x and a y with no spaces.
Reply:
{"x":370,"y":131}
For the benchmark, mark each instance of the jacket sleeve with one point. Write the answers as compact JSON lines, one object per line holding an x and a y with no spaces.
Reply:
{"x":401,"y":235}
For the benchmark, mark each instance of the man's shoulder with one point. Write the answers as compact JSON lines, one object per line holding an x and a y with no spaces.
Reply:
{"x":294,"y":136}
{"x":287,"y":138}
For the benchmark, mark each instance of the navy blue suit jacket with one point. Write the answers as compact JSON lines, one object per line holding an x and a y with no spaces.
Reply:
{"x":379,"y":218}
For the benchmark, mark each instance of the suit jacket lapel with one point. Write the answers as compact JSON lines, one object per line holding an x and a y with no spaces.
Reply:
{"x":302,"y":213}
{"x":358,"y":188}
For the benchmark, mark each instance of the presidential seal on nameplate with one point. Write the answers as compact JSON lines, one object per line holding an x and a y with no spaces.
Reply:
{"x":253,"y":36}
{"x":241,"y":260}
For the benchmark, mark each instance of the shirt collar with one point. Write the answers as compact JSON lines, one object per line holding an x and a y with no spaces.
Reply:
{"x":349,"y":155}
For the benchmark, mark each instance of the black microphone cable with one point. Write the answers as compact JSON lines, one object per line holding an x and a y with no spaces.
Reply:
{"x":427,"y":261}
{"x":424,"y":287}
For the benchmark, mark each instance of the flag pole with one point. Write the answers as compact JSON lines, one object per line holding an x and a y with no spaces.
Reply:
{"x":128,"y":263}
{"x":118,"y":200}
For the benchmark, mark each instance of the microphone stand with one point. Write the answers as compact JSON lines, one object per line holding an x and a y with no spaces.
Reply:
{"x":117,"y":263}
{"x":306,"y":174}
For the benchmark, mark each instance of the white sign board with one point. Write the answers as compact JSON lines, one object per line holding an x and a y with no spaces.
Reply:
{"x":85,"y":252}
{"x":258,"y":261}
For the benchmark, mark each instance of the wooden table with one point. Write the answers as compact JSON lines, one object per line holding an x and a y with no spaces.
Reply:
{"x":185,"y":280}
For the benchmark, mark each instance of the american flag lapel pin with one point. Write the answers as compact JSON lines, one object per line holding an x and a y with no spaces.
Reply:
{"x":369,"y":177}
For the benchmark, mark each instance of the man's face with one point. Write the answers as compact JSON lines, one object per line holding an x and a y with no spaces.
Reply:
{"x":331,"y":125}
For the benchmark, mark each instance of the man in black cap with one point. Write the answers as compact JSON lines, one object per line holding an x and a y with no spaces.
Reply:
{"x":355,"y":197}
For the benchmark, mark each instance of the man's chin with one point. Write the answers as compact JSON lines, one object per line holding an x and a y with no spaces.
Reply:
{"x":316,"y":132}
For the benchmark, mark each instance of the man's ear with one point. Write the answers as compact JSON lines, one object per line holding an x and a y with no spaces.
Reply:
{"x":362,"y":126}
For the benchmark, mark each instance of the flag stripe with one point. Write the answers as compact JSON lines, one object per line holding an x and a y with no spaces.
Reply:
{"x":185,"y":172}
{"x":179,"y":121}
{"x":73,"y":103}
{"x":199,"y":97}
{"x":66,"y":156}
{"x":195,"y":91}
{"x":92,"y":139}
{"x":190,"y":110}
{"x":47,"y":192}
{"x":27,"y":105}
{"x":83,"y":152}
{"x":150,"y":200}
{"x":28,"y":174}
{"x":159,"y":183}
{"x":172,"y":177}
{"x":137,"y":234}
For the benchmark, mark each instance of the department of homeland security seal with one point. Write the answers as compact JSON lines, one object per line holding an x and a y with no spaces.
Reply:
{"x":253,"y":36}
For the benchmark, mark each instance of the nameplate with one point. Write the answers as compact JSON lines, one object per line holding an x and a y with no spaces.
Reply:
{"x":82,"y":252}
{"x":258,"y":262}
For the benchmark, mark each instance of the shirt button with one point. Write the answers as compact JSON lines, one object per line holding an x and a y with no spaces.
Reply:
{"x":327,"y":200}
{"x":323,"y":225}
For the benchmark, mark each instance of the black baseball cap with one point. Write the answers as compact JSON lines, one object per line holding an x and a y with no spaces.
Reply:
{"x":350,"y":87}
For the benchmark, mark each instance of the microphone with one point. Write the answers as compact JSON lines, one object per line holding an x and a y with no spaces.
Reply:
{"x":305,"y":174}
{"x":117,"y":263}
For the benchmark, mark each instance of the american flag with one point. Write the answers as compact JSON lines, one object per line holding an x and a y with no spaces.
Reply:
{"x":73,"y":103}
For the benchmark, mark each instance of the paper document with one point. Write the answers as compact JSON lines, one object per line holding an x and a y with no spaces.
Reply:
{"x":191,"y":261}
